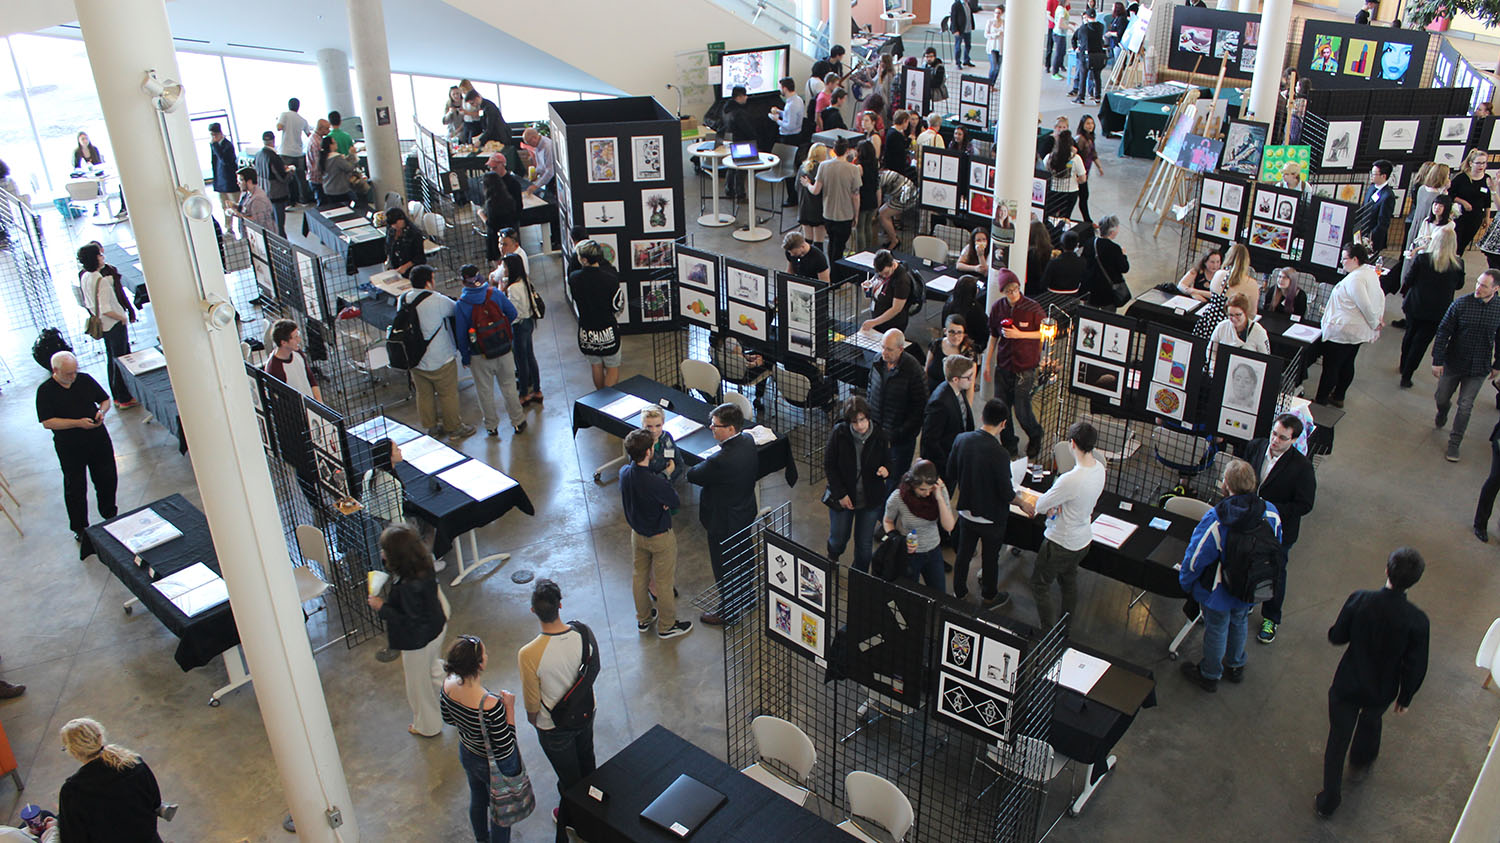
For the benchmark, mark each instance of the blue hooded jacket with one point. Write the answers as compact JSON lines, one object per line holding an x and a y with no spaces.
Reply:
{"x":470,"y":298}
{"x":1207,"y":547}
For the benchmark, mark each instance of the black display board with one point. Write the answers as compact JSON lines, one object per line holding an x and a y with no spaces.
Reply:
{"x":977,"y":665}
{"x":619,"y":176}
{"x":974,"y":102}
{"x":1332,"y":229}
{"x":1221,"y":208}
{"x":747,"y":301}
{"x":699,"y":277}
{"x":1174,"y":375}
{"x":258,"y":399}
{"x":910,"y":91}
{"x":260,"y":265}
{"x":802,"y":317}
{"x":1244,"y":143}
{"x":1102,"y":343}
{"x":1204,"y":39}
{"x":1246,"y":385}
{"x":1343,"y":55}
{"x":801,"y":593}
{"x":963,"y":187}
{"x":284,"y":273}
{"x":330,"y":451}
{"x":1451,"y":70}
{"x":887,"y":627}
{"x":1274,"y":215}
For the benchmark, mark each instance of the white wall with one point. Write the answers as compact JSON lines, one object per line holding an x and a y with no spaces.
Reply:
{"x":18,"y":16}
{"x":631,"y":45}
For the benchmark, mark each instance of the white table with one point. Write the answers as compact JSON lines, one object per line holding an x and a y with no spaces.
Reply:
{"x":895,"y":19}
{"x":752,"y":232}
{"x":713,"y":152}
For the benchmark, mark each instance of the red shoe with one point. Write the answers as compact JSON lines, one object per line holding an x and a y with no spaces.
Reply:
{"x":125,"y":405}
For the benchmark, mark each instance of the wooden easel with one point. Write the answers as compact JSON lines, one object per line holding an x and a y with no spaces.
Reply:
{"x":1162,"y":182}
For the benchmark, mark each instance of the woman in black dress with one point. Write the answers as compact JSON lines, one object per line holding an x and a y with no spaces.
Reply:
{"x":1471,"y":193}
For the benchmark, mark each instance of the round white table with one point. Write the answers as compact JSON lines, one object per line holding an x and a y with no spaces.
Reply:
{"x":713,"y":152}
{"x":895,"y":19}
{"x":752,"y":232}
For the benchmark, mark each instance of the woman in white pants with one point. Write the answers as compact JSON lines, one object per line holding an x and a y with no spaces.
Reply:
{"x":416,"y":619}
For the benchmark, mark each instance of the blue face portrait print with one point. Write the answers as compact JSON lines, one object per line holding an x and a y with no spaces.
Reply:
{"x":1395,"y":60}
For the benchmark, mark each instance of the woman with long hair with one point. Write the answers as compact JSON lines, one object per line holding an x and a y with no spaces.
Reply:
{"x":994,"y":41}
{"x":1236,"y":277}
{"x":86,"y":153}
{"x":519,"y":289}
{"x":914,"y":511}
{"x":1471,"y":195}
{"x":453,"y":111}
{"x":1038,"y":255}
{"x":338,"y":173}
{"x":1433,"y":278}
{"x":869,"y":195}
{"x":383,"y":493}
{"x":1439,"y":216}
{"x":416,"y":617}
{"x":1284,"y":295}
{"x":112,"y":797}
{"x":486,"y":726}
{"x":1194,"y":282}
{"x":967,"y":302}
{"x":955,"y":342}
{"x":1066,"y":170}
{"x":961,"y":143}
{"x":1431,"y":181}
{"x":856,"y":463}
{"x":102,"y":299}
{"x":809,"y":204}
{"x":1084,"y":143}
{"x":975,"y":256}
{"x":872,"y":126}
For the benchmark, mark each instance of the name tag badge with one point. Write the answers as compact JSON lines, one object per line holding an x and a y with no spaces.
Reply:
{"x":596,"y":794}
{"x":679,"y":829}
{"x":669,"y":453}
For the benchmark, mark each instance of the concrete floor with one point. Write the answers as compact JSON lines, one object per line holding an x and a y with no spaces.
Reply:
{"x":1245,"y":762}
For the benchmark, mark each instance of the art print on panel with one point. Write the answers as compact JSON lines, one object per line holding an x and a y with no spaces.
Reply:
{"x":812,"y":585}
{"x":697,"y":272}
{"x":604,"y":214}
{"x":604,"y":160}
{"x":1098,"y":377}
{"x":746,"y":285}
{"x":781,"y":568}
{"x":647,"y":155}
{"x":960,"y":649}
{"x":1243,"y":386}
{"x":1399,"y":135}
{"x":1234,"y":197}
{"x":747,"y":321}
{"x":651,"y":254}
{"x":656,"y":301}
{"x":658,"y":213}
{"x":1340,"y":144}
{"x":1395,"y":61}
{"x":1195,"y":39}
{"x":1454,"y":130}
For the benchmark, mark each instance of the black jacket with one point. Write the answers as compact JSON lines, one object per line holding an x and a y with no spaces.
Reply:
{"x":1387,"y":656}
{"x":1427,"y":292}
{"x":1107,"y":266}
{"x":728,"y":480}
{"x":897,"y":397}
{"x":1292,"y":486}
{"x":492,"y":125}
{"x":404,"y":247}
{"x":839,"y":461}
{"x":942,"y":421}
{"x":413,"y":614}
{"x":960,"y":19}
{"x":1373,"y":216}
{"x":979,"y":468}
{"x":1089,"y":38}
{"x":99,"y":804}
{"x":738,"y":121}
{"x":502,"y":209}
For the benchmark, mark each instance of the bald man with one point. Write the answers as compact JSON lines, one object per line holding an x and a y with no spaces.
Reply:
{"x":72,"y":405}
{"x":543,"y":153}
{"x":898,"y":396}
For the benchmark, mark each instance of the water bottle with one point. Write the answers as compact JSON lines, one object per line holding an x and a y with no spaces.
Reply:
{"x":911,"y":541}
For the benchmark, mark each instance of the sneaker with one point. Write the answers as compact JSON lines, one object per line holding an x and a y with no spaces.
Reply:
{"x":1267,"y":632}
{"x":999,"y":599}
{"x":521,"y":428}
{"x":1452,"y":454}
{"x":1057,"y":76}
{"x":1406,"y":383}
{"x":537,"y":396}
{"x":1190,"y":670}
{"x":1440,"y":419}
{"x":676,"y":629}
{"x":492,"y":431}
{"x":1235,"y":674}
{"x":10,"y":692}
{"x":125,"y":405}
{"x":462,"y":433}
{"x":642,"y":626}
{"x":436,"y":432}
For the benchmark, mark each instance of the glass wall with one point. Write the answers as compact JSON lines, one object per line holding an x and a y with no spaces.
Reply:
{"x":18,"y":147}
{"x":63,"y":101}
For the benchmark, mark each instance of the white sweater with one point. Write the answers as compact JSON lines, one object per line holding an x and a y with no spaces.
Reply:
{"x":1355,"y":308}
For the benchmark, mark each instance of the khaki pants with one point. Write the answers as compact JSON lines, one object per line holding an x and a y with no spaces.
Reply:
{"x":435,"y":389}
{"x":422,"y":671}
{"x":1054,"y":562}
{"x":655,"y":556}
{"x":486,"y":372}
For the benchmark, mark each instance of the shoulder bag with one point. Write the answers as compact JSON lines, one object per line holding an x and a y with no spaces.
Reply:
{"x":511,"y":797}
{"x":538,"y":307}
{"x":1118,"y":290}
{"x":94,"y":325}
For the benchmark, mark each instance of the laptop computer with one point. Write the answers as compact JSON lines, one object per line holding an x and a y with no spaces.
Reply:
{"x":744,"y":153}
{"x":684,"y":806}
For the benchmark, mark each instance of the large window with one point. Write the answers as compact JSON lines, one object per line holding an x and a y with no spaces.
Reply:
{"x":17,"y":144}
{"x":260,"y":90}
{"x":431,"y":94}
{"x":63,"y":100}
{"x":522,"y":104}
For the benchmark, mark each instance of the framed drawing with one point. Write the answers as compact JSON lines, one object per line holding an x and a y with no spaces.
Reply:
{"x":698,"y":269}
{"x":646,"y":154}
{"x":604,"y":160}
{"x":603,"y":215}
{"x":651,"y":254}
{"x":1340,"y":144}
{"x":658,"y":213}
{"x":746,"y":282}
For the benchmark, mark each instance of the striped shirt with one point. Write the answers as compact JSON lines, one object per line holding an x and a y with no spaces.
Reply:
{"x":466,"y":720}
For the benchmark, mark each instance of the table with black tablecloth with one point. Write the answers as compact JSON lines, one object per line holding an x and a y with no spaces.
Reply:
{"x":154,"y":390}
{"x":322,"y":224}
{"x":202,"y":637}
{"x":1086,"y":729}
{"x":588,"y":412}
{"x":637,"y":774}
{"x":1150,"y":306}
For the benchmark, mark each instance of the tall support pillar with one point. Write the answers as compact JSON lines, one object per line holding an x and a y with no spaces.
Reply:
{"x":156,"y":155}
{"x":1015,"y":132}
{"x":333,"y":66}
{"x":377,"y":108}
{"x":1247,"y":6}
{"x":840,"y":19}
{"x":1275,"y":29}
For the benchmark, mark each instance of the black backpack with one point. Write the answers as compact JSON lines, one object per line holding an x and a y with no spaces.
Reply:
{"x":575,"y":708}
{"x":918,"y":293}
{"x":48,"y":343}
{"x":404,"y":342}
{"x":1251,"y":560}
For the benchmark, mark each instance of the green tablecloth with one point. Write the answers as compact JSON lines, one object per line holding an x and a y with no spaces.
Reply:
{"x":1145,"y":122}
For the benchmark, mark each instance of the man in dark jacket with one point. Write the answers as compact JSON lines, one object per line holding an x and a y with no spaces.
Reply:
{"x":490,"y":126}
{"x":727,"y":504}
{"x":980,"y":470}
{"x":1015,"y":323}
{"x":897,"y":395}
{"x":1464,"y":351}
{"x":947,"y":413}
{"x":225,"y":166}
{"x":961,"y":24}
{"x":1386,"y":662}
{"x":275,"y":178}
{"x":856,"y":463}
{"x":739,"y":125}
{"x":1287,"y":480}
{"x":1373,"y":216}
{"x":1088,"y":45}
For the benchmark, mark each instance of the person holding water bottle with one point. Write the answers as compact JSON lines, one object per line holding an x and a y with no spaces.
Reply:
{"x":915,"y":509}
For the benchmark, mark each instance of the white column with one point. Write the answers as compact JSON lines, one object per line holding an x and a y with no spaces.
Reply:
{"x":333,"y":66}
{"x":125,"y":39}
{"x":1015,"y":128}
{"x":1247,"y":6}
{"x":840,"y":18}
{"x":1275,"y":28}
{"x":372,"y":67}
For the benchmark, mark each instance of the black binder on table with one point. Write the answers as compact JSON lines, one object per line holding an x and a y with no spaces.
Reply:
{"x":1168,"y":551}
{"x":684,"y":806}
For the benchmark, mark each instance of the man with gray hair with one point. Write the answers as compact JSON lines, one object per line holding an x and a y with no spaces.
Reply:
{"x":72,"y":405}
{"x":543,"y":157}
{"x":1111,"y":264}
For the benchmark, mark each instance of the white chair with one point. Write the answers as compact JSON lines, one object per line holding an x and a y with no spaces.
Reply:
{"x":312,"y":547}
{"x":875,"y":800}
{"x":1062,"y":456}
{"x":781,"y":741}
{"x":701,"y":376}
{"x":743,"y":403}
{"x":86,"y":192}
{"x":1488,"y":658}
{"x":1020,"y":760}
{"x":1187,"y":507}
{"x":416,"y":210}
{"x":927,"y":247}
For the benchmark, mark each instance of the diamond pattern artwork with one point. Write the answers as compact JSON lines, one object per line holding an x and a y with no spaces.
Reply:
{"x":972,"y":708}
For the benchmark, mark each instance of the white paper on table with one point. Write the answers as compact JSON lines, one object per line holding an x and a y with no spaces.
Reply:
{"x":141,"y":531}
{"x":141,"y":362}
{"x":762,"y":435}
{"x":356,"y":222}
{"x":476,"y":480}
{"x":1186,"y":303}
{"x":942,"y":283}
{"x":1017,"y":472}
{"x":867,"y":340}
{"x":1306,"y":333}
{"x":1080,"y":671}
{"x":360,"y":235}
{"x":186,"y":580}
{"x":680,"y":426}
{"x":865,"y":259}
{"x":435,"y":460}
{"x":710,"y":452}
{"x":1111,"y":531}
{"x":203,"y":598}
{"x":625,"y":406}
{"x":380,"y":427}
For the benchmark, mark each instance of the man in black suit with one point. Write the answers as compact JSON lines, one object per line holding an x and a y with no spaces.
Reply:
{"x":1386,"y":662}
{"x":1374,"y":214}
{"x":897,"y":394}
{"x":980,"y":470}
{"x":948,"y":413}
{"x":1288,"y":481}
{"x":727,"y":504}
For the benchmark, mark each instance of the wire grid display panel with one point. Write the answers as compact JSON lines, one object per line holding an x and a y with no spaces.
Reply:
{"x":1192,"y":247}
{"x":958,"y":791}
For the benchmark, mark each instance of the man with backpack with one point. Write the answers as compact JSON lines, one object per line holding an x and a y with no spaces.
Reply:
{"x":558,"y":669}
{"x":1231,"y":564}
{"x":419,"y":341}
{"x":482,"y":331}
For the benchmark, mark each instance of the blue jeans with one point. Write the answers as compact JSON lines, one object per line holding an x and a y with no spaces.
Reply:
{"x":571,"y":752}
{"x":477,"y":769}
{"x":927,"y":566}
{"x":1223,"y":640}
{"x":994,"y":66}
{"x":1059,"y":52}
{"x":962,"y":43}
{"x":528,"y":375}
{"x":862,"y":522}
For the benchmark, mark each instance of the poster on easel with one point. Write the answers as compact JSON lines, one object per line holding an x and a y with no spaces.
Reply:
{"x":978,"y":670}
{"x":1245,"y":389}
{"x":799,"y":588}
{"x":803,"y":319}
